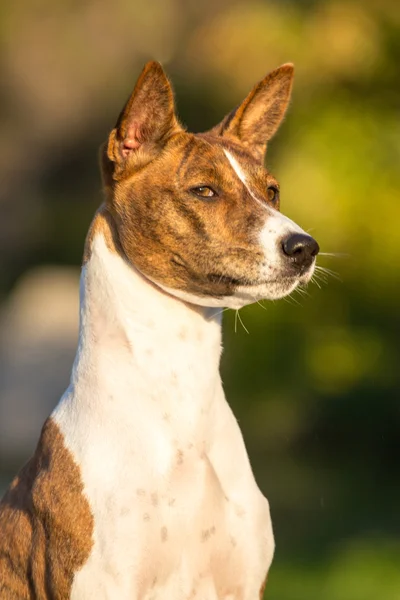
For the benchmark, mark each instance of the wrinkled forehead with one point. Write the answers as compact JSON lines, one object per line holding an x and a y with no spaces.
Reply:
{"x":206,"y":156}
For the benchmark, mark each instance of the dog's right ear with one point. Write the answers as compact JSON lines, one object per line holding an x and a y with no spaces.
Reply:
{"x":145,"y":123}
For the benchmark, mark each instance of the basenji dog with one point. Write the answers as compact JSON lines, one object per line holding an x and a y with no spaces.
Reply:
{"x":140,"y":487}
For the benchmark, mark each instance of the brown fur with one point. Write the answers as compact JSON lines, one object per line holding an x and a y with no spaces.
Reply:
{"x":154,"y":218}
{"x":150,"y":166}
{"x":262,"y":590}
{"x":102,"y":224}
{"x":45,"y":523}
{"x":256,"y":120}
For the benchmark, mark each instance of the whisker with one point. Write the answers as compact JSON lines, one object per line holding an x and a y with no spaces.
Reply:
{"x":328,"y":272}
{"x":322,"y":278}
{"x":302,"y":292}
{"x":218,"y":313}
{"x":335,"y":254}
{"x":314,"y":280}
{"x":295,"y":299}
{"x":321,"y":274}
{"x":325,"y":270}
{"x":243,"y":325}
{"x":290,"y":300}
{"x":262,"y":305}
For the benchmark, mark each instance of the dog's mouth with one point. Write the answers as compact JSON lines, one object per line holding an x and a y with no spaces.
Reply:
{"x":302,"y":276}
{"x":220,"y":278}
{"x":287,"y":274}
{"x":234,"y":290}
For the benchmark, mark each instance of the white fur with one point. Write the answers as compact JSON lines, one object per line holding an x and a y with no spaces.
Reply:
{"x":241,"y":174}
{"x":277,"y":227}
{"x":177,"y":512}
{"x":273,"y":284}
{"x":206,"y":301}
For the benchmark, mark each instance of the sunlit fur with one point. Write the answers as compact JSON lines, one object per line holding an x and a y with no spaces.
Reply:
{"x":142,"y":489}
{"x":220,"y":251}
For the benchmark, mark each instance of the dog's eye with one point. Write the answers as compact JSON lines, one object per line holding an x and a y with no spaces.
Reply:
{"x":273,"y":193}
{"x":204,"y":191}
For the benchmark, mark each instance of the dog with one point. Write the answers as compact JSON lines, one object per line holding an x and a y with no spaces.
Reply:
{"x":140,"y":487}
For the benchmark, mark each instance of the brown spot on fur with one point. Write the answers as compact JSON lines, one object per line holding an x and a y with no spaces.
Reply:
{"x":46,"y":524}
{"x":103,"y":224}
{"x":146,"y":517}
{"x":240,"y":511}
{"x":262,"y":590}
{"x":192,"y":594}
{"x":183,"y":334}
{"x":154,"y":499}
{"x":179,"y":457}
{"x":164,"y":534}
{"x":207,"y":533}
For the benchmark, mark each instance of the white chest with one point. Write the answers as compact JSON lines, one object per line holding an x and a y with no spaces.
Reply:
{"x":177,"y":513}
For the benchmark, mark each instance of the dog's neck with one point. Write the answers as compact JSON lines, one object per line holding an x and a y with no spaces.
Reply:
{"x":137,"y":343}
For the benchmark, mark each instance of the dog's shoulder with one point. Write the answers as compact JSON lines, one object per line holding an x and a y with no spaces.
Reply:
{"x":45,"y":522}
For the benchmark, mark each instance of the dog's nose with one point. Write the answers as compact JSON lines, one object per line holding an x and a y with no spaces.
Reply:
{"x":301,"y":249}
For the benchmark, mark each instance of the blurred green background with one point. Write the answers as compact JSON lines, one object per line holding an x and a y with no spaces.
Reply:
{"x":315,"y":383}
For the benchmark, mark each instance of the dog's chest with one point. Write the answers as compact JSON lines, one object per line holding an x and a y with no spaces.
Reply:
{"x":177,"y":513}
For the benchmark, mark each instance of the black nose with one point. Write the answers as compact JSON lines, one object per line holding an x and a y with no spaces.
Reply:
{"x":301,"y":249}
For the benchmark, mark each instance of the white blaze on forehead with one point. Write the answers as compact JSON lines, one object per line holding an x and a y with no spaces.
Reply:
{"x":240,"y":173}
{"x":276,"y":216}
{"x":276,"y":227}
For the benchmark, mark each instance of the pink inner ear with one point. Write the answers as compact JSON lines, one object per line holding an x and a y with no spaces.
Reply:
{"x":129,"y":145}
{"x":132,"y":140}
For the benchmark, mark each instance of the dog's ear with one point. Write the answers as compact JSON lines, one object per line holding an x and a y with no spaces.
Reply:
{"x":255,"y":121}
{"x":147,"y":120}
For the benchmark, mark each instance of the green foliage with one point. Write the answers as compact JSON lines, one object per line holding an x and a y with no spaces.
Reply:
{"x":359,"y":570}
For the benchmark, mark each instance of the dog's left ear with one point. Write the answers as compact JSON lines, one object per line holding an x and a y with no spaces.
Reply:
{"x":147,"y":120}
{"x":256,"y":120}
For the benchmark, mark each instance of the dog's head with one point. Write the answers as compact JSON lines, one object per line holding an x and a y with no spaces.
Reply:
{"x":198,"y":214}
